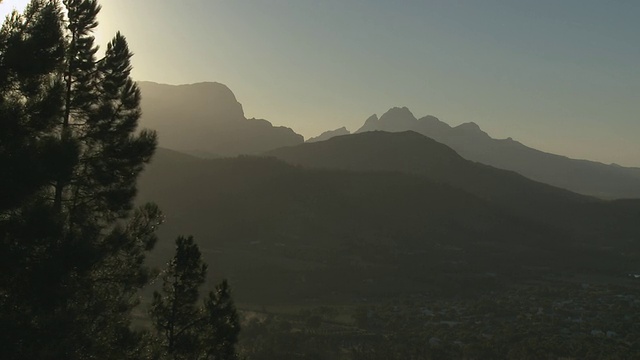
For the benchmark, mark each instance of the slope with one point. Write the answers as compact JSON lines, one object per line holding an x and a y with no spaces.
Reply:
{"x":582,"y":176}
{"x":412,"y":153}
{"x":285,"y":233}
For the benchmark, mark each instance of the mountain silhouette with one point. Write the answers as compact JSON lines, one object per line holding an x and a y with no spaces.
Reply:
{"x":329,"y":134}
{"x":205,"y":119}
{"x":413,"y":153}
{"x":410,"y":152}
{"x":468,"y":139}
{"x":280,"y":231}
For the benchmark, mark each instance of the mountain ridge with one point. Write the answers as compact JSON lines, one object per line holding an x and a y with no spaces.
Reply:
{"x":281,"y":231}
{"x":329,"y":134}
{"x":207,"y":120}
{"x":470,"y":141}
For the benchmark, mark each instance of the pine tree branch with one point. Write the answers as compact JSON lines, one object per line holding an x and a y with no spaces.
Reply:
{"x":189,"y":325}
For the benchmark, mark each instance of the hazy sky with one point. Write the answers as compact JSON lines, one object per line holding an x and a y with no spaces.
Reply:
{"x":560,"y":76}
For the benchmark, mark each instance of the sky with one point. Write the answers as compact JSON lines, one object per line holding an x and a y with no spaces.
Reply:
{"x":559,"y":76}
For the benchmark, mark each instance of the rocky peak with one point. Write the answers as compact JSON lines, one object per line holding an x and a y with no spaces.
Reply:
{"x":370,"y":124}
{"x":398,"y":114}
{"x":210,"y":100}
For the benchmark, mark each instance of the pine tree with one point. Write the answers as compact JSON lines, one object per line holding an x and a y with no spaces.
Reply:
{"x":31,"y":99}
{"x":188,"y":331}
{"x":222,"y":324}
{"x":71,"y":249}
{"x":71,"y":252}
{"x":174,"y":312}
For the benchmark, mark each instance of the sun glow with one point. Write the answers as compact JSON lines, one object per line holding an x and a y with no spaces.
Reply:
{"x":7,"y":6}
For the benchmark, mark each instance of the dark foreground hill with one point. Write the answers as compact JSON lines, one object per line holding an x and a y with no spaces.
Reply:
{"x":412,"y":153}
{"x":286,"y":233}
{"x":207,"y":120}
{"x":581,"y":176}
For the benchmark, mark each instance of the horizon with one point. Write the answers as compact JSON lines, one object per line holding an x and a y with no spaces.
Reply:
{"x":417,"y":116}
{"x":560,"y":78}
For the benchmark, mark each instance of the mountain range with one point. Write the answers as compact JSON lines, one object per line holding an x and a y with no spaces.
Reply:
{"x":385,"y":210}
{"x":205,"y":119}
{"x":379,"y":213}
{"x":413,"y":153}
{"x":582,"y":176}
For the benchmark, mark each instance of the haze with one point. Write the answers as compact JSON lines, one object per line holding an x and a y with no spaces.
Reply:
{"x":558,"y":76}
{"x":328,"y":180}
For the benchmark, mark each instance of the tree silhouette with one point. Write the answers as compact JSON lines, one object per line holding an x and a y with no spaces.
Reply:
{"x":72,"y":252}
{"x":221,"y":324}
{"x":189,"y":331}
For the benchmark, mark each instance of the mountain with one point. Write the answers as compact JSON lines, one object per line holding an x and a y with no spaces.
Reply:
{"x":206,"y":119}
{"x":169,"y":156}
{"x":281,"y":232}
{"x":581,"y":176}
{"x":413,"y":153}
{"x":329,"y":134}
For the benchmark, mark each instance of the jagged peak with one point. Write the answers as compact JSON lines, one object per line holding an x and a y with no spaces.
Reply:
{"x":398,"y":113}
{"x":369,"y":124}
{"x":372,"y":118}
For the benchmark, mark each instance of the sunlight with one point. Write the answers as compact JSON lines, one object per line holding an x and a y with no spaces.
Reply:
{"x":473,"y":191}
{"x":7,"y":6}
